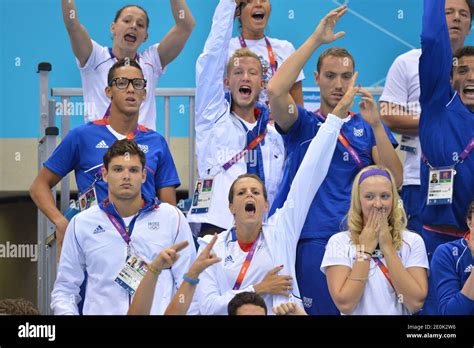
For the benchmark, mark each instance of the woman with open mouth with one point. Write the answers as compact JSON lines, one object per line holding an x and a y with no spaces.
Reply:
{"x":260,"y":257}
{"x":129,"y":30}
{"x":253,"y":16}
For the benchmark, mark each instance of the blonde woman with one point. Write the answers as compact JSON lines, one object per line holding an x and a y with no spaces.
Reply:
{"x":377,"y":266}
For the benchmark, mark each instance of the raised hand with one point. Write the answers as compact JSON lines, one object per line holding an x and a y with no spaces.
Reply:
{"x":205,"y":259}
{"x":345,"y":104}
{"x":289,"y":308}
{"x":368,"y":238}
{"x":275,"y":284}
{"x":369,"y":109}
{"x":168,"y":257}
{"x":325,"y":30}
{"x":385,"y":237}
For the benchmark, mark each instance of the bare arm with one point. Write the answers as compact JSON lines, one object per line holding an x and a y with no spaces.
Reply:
{"x":411,"y":283}
{"x":174,"y":41}
{"x":40,"y":192}
{"x":383,"y":153}
{"x":281,"y":101}
{"x":167,"y":195}
{"x":398,"y":119}
{"x":296,"y":93}
{"x":80,"y":40}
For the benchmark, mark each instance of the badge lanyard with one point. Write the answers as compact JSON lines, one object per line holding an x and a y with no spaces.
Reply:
{"x":271,"y":54}
{"x":253,"y":144}
{"x":124,"y":233}
{"x":384,"y":270}
{"x":461,"y":157}
{"x":248,"y":259}
{"x":344,"y":143}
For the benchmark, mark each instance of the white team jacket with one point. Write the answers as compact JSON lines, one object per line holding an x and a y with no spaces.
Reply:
{"x":283,"y":229}
{"x":93,"y":244}
{"x":219,"y":134}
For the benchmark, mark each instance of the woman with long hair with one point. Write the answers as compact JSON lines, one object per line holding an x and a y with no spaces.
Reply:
{"x":377,"y":266}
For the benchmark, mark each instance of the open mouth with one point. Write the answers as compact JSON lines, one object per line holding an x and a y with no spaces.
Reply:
{"x":131,"y":99}
{"x":245,"y":90}
{"x":130,"y":38}
{"x":469,"y":91}
{"x":258,"y":15}
{"x":250,"y":208}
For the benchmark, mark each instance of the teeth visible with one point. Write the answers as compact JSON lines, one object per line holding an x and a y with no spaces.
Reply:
{"x":245,"y":90}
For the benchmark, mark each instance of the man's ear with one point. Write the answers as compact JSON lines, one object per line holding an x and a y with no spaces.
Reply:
{"x":144,"y":175}
{"x":104,"y":173}
{"x":316,"y":77}
{"x":108,"y":92}
{"x":226,"y":83}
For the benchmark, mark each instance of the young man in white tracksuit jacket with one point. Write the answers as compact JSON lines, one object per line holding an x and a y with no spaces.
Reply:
{"x":96,"y":241}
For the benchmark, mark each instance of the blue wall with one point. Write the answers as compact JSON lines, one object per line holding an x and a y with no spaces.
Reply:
{"x":32,"y":31}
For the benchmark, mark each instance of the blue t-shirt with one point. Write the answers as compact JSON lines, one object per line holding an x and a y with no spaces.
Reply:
{"x":332,"y":202}
{"x":83,"y":148}
{"x":446,"y":124}
{"x":450,"y":267}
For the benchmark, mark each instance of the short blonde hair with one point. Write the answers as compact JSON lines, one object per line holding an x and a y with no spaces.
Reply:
{"x":242,"y":53}
{"x":397,"y":219}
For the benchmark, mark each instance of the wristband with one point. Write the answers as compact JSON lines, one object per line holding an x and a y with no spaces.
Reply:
{"x":191,"y":281}
{"x":152,"y":270}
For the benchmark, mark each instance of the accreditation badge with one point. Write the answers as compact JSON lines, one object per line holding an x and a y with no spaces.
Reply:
{"x":440,"y":186}
{"x":88,"y":199}
{"x":202,"y":196}
{"x":132,"y":274}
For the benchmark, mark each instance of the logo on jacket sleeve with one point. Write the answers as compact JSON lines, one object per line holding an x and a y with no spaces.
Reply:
{"x":99,"y":229}
{"x":468,"y":269}
{"x":144,"y":148}
{"x":155,"y":225}
{"x":358,"y":132}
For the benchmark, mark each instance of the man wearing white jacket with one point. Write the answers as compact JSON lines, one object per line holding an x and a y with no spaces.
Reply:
{"x":233,"y":136}
{"x":123,"y":228}
{"x":253,"y":253}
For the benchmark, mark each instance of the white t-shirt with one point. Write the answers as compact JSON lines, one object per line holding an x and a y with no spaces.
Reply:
{"x":282,"y":50}
{"x":260,"y":265}
{"x":94,"y":80}
{"x":379,"y":298}
{"x":402,"y":87}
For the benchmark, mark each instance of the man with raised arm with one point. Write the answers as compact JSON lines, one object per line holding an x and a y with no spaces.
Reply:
{"x":362,"y":142}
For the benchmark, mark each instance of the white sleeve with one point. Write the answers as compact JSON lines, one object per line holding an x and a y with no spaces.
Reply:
{"x":396,"y":89}
{"x":186,"y":258}
{"x":337,"y":253}
{"x":309,"y":177}
{"x":151,"y":54}
{"x":65,"y":295}
{"x":211,"y":300}
{"x":210,"y":67}
{"x":96,"y":54}
{"x":417,"y":256}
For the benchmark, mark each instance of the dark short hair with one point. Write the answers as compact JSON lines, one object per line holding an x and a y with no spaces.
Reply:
{"x":244,"y":298}
{"x":464,"y":51}
{"x":119,"y":12}
{"x":121,"y":148}
{"x":334,"y":52}
{"x":243,"y":176}
{"x":470,"y":211}
{"x":119,"y":64}
{"x":471,"y":7}
{"x":18,"y":306}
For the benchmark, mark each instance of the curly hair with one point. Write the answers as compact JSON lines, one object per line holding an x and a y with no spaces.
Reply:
{"x":397,"y":219}
{"x":18,"y":306}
